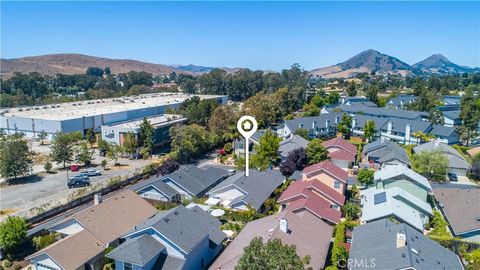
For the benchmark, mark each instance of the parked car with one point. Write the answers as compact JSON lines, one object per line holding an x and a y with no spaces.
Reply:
{"x":78,"y":181}
{"x":74,"y":168}
{"x":452,"y":177}
{"x":91,"y":172}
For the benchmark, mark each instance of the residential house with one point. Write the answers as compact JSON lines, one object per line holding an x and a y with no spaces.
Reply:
{"x":385,"y":245}
{"x":401,"y":101}
{"x":328,"y":173}
{"x":456,"y":162}
{"x":86,"y":234}
{"x":179,"y":238}
{"x":445,"y":134}
{"x":451,"y":100}
{"x":452,"y":118}
{"x":358,"y":124}
{"x":314,"y":196}
{"x":187,"y":182}
{"x":385,"y":152}
{"x":381,"y":112}
{"x":309,"y":234}
{"x":398,"y":192}
{"x":402,"y":177}
{"x":461,"y":209}
{"x":357,"y":101}
{"x":341,"y":152}
{"x":321,"y":126}
{"x":239,"y":191}
{"x":290,"y":144}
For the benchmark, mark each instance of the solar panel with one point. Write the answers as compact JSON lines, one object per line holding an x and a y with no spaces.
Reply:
{"x":380,"y":198}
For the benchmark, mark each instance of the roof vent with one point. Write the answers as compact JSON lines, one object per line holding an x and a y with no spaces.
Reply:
{"x":415,"y":251}
{"x":176,"y":213}
{"x":166,"y":220}
{"x":401,"y":239}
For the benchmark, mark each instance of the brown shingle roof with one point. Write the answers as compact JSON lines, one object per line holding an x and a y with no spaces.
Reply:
{"x":329,"y":168}
{"x":338,"y":142}
{"x":115,"y":216}
{"x":461,"y":207}
{"x":102,"y":223}
{"x":308,"y":233}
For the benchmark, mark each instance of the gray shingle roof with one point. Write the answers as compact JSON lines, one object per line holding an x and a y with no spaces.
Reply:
{"x":383,"y":112}
{"x":290,"y":144}
{"x":399,"y":125}
{"x":168,"y":262}
{"x":401,"y":100}
{"x":452,"y":114}
{"x":139,"y":250}
{"x":258,"y":186}
{"x":185,"y":227}
{"x":361,"y":119}
{"x":377,"y":241}
{"x":442,"y":131}
{"x":386,"y":151}
{"x":455,"y":159}
{"x":164,"y":188}
{"x":195,"y":180}
{"x":320,"y":120}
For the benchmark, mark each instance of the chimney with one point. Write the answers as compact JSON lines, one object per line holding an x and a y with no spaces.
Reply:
{"x":408,"y":129}
{"x":401,"y":103}
{"x":97,"y":198}
{"x":327,"y":123}
{"x":284,"y":225}
{"x":401,"y":239}
{"x":389,"y":127}
{"x":354,"y":122}
{"x":314,"y":125}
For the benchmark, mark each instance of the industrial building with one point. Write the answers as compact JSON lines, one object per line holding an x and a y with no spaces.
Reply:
{"x":114,"y":133}
{"x":83,"y":115}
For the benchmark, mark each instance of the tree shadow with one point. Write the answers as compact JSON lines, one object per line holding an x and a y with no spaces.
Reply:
{"x":25,"y":180}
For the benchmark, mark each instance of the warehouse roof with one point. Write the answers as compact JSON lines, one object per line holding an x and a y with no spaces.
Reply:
{"x":79,"y":109}
{"x":155,"y":121}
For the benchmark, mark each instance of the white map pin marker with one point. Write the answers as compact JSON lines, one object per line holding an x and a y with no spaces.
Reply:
{"x":247,"y":125}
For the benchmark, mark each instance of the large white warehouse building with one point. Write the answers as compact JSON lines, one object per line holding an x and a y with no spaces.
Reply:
{"x":83,"y":115}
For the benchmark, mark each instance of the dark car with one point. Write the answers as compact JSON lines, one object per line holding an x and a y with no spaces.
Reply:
{"x":452,"y":177}
{"x":78,"y":181}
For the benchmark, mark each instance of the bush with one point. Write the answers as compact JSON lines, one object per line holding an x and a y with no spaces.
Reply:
{"x":47,"y":166}
{"x":108,"y":266}
{"x":44,"y":241}
{"x":13,"y":232}
{"x":104,"y":163}
{"x":7,"y":263}
{"x":228,"y":147}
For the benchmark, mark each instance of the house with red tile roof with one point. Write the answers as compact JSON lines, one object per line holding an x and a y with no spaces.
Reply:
{"x":314,"y":197}
{"x":341,"y":152}
{"x":327,"y":173}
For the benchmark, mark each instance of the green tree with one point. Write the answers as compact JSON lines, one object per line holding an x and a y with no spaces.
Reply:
{"x":369,"y":130}
{"x":47,"y":166}
{"x":91,"y":138}
{"x":114,"y":152}
{"x":432,"y":164}
{"x":104,"y":163}
{"x":13,"y":232}
{"x":83,"y":154}
{"x":42,"y":136}
{"x":272,"y":255}
{"x":190,"y":141}
{"x":365,"y":177}
{"x":146,"y":134}
{"x":102,"y":146}
{"x":345,"y":125}
{"x":266,"y":151}
{"x":351,"y":89}
{"x":44,"y":241}
{"x":372,"y":94}
{"x":351,"y":210}
{"x":62,"y":149}
{"x":264,"y":108}
{"x":315,"y":151}
{"x":223,"y":122}
{"x":470,"y":112}
{"x":14,"y":156}
{"x":302,"y":132}
{"x":475,"y":171}
{"x":198,"y":111}
{"x":129,"y":144}
{"x":436,"y":117}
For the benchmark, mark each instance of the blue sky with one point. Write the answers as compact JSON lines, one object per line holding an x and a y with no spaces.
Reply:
{"x":258,"y":35}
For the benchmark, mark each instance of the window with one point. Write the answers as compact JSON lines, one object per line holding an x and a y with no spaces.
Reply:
{"x":336,"y":184}
{"x":127,"y":266}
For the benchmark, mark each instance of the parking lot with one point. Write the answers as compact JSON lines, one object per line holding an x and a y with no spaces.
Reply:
{"x":48,"y":189}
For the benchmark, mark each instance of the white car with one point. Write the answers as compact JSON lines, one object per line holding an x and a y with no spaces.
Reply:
{"x":92,"y":172}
